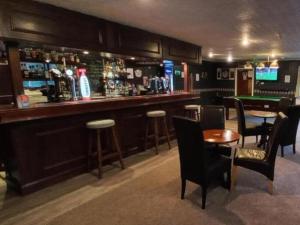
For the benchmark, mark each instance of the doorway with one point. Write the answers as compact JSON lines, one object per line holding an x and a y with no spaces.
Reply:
{"x":244,"y":82}
{"x":297,"y":94}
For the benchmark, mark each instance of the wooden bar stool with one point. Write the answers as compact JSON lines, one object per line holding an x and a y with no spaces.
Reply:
{"x":155,"y":116}
{"x":98,"y":126}
{"x":192,"y":111}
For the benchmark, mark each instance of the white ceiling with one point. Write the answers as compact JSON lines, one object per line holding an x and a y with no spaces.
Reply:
{"x":217,"y":25}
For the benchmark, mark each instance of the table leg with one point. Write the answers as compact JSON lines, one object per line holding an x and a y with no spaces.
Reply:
{"x":227,"y":113}
{"x":263,"y":139}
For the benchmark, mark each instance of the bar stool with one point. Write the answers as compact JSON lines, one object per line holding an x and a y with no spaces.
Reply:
{"x":192,"y":111}
{"x":98,"y":126}
{"x":155,"y":116}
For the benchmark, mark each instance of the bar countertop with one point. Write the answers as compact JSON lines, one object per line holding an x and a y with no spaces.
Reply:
{"x":48,"y":110}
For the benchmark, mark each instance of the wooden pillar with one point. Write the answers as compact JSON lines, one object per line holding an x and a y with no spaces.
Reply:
{"x":15,"y":69}
{"x":187,"y":85}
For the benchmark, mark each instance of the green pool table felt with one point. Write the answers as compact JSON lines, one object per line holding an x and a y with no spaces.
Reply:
{"x":264,"y":98}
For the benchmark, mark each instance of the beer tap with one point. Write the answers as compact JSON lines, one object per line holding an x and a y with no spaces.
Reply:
{"x":68,"y":73}
{"x":72,"y":84}
{"x":57,"y":76}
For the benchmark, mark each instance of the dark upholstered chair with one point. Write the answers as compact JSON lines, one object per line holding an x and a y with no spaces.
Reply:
{"x":198,"y":164}
{"x":246,"y":129}
{"x":290,"y":134}
{"x":258,"y":160}
{"x":284,"y":104}
{"x":213,"y":117}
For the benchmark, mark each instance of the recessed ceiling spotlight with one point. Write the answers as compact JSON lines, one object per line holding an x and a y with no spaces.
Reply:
{"x":273,"y":55}
{"x":86,"y":52}
{"x":245,"y":42}
{"x":132,"y":58}
{"x":229,"y":58}
{"x":210,"y":54}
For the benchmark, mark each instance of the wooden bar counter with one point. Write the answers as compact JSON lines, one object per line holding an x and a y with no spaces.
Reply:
{"x":47,"y":143}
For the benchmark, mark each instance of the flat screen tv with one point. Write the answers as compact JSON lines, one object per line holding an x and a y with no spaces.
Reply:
{"x":266,"y":74}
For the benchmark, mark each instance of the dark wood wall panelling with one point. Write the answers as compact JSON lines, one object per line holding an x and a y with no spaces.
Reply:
{"x":6,"y":93}
{"x":181,"y":51}
{"x":136,"y":42}
{"x":40,"y":152}
{"x":36,"y":22}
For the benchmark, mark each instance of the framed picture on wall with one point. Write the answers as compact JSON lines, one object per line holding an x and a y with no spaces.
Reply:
{"x":219,"y":73}
{"x":232,"y":73}
{"x":225,"y":74}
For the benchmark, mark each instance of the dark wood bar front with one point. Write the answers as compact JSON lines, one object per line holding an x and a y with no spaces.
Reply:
{"x":48,"y":143}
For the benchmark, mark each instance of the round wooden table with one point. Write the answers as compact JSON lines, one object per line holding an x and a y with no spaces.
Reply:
{"x":263,"y":114}
{"x":220,"y":136}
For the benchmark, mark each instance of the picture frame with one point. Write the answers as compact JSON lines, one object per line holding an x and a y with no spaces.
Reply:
{"x":219,"y":73}
{"x":232,"y":72}
{"x":225,"y":74}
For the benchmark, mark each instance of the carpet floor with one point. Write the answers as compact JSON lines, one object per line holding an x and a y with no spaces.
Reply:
{"x":153,"y":198}
{"x":148,"y":192}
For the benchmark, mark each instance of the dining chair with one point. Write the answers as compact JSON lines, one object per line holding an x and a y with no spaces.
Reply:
{"x":290,"y":134}
{"x":213,"y":117}
{"x":284,"y":104}
{"x":246,"y":129}
{"x":258,"y":160}
{"x":197,"y":163}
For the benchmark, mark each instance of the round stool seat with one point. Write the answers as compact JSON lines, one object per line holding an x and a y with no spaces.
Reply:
{"x":191,"y":107}
{"x":156,"y":113}
{"x":98,"y":124}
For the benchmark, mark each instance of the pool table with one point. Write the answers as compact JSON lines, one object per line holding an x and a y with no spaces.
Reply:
{"x":268,"y":103}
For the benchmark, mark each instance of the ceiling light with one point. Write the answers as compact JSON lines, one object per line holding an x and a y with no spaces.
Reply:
{"x":210,"y":54}
{"x":86,"y":52}
{"x":260,"y":65}
{"x":245,"y":41}
{"x":132,"y":58}
{"x":273,"y":55}
{"x":274,"y":64}
{"x":229,"y":58}
{"x":248,"y":66}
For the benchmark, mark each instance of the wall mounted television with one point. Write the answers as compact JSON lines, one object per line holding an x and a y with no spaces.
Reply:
{"x":266,"y":74}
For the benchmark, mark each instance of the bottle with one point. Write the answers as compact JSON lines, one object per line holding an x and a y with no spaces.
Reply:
{"x":84,"y":85}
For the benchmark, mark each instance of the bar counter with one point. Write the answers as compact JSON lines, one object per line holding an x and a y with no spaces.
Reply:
{"x":47,"y":142}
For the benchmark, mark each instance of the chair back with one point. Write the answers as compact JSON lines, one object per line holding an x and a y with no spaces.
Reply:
{"x":289,"y":136}
{"x":212,"y":117}
{"x":240,"y":115}
{"x":279,"y":128}
{"x":192,"y":154}
{"x":284,"y":104}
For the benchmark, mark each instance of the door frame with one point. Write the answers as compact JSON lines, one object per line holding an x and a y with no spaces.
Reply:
{"x":236,"y":83}
{"x":297,"y":93}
